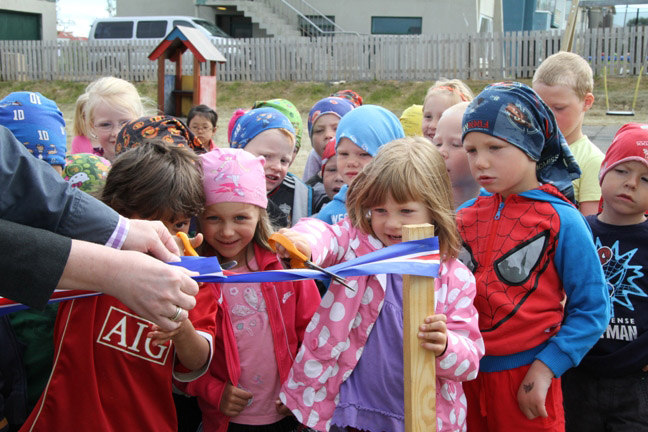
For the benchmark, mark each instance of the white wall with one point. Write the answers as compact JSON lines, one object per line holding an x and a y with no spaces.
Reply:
{"x":46,"y":9}
{"x":438,"y":16}
{"x":161,"y":7}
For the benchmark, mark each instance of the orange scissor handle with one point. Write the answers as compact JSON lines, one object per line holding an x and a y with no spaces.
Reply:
{"x":297,"y":259}
{"x":188,"y":249}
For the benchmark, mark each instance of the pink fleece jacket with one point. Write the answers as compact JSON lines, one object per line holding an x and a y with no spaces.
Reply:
{"x":338,"y":331}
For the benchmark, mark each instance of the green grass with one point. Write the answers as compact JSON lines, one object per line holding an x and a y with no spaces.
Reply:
{"x":393,"y":95}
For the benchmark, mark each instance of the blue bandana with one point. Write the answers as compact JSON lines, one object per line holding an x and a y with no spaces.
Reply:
{"x":36,"y":122}
{"x":369,"y":127}
{"x":513,"y":112}
{"x":255,"y":121}
{"x":330,"y":105}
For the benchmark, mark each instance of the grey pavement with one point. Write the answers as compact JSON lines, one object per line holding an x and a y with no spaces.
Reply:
{"x":602,"y":136}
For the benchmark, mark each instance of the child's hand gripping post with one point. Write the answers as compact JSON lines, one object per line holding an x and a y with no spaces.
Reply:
{"x":298,"y":259}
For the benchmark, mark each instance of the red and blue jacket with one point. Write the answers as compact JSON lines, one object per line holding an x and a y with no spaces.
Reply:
{"x":541,"y":293}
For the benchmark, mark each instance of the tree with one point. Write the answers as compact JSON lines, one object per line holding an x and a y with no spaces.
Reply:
{"x":111,"y":8}
{"x":637,"y":22}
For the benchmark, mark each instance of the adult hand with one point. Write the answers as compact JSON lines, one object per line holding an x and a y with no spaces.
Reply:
{"x":152,"y":289}
{"x":533,"y":390}
{"x":153,"y":238}
{"x":234,"y":400}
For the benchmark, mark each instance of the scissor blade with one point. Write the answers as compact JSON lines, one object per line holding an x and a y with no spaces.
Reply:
{"x":337,"y":278}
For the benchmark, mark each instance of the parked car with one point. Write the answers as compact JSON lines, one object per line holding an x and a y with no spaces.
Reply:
{"x":150,"y":27}
{"x":143,"y":29}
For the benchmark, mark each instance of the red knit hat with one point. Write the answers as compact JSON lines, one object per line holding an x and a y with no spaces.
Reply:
{"x":329,"y":152}
{"x":630,"y":144}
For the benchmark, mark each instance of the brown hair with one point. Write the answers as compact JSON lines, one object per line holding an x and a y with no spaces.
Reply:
{"x":568,"y":69}
{"x":155,"y":181}
{"x":407,"y":169}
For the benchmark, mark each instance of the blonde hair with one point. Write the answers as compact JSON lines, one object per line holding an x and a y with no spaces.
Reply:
{"x":455,"y":88}
{"x":568,"y":69}
{"x":289,"y":134}
{"x":114,"y":92}
{"x":80,"y":126}
{"x":407,"y":169}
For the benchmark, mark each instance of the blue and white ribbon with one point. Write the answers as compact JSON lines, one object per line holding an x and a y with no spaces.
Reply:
{"x":418,"y":257}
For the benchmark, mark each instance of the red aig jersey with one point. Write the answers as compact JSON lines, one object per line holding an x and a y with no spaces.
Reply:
{"x":107,"y":376}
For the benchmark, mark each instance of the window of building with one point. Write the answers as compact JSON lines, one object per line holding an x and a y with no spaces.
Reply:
{"x":396,"y":25}
{"x":546,"y":5}
{"x":114,"y":30}
{"x":485,"y":24}
{"x":326,"y":24}
{"x":151,"y":29}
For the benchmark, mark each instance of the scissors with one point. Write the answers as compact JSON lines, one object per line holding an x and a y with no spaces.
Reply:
{"x":299,"y":260}
{"x":190,"y":251}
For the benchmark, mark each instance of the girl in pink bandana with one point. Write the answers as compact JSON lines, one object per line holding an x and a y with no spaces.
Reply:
{"x":348,"y":374}
{"x":259,"y":325}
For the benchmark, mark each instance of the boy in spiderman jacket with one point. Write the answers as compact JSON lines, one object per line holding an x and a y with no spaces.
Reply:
{"x":530,"y":250}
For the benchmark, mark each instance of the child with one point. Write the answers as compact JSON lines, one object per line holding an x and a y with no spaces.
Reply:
{"x":607,"y":390}
{"x":112,"y":102}
{"x":26,"y":336}
{"x":412,"y":120}
{"x":37,"y":122}
{"x":331,"y":178}
{"x":529,"y":248}
{"x":260,"y":325}
{"x":448,"y":140}
{"x":87,"y":172}
{"x":351,"y":95}
{"x":564,"y":82}
{"x":442,"y":95}
{"x":267,"y":132}
{"x":323,"y":120}
{"x":163,"y":128}
{"x":406,"y":183}
{"x":81,"y":142}
{"x":202,"y":121}
{"x":112,"y":371}
{"x":358,"y":138}
{"x":291,"y":112}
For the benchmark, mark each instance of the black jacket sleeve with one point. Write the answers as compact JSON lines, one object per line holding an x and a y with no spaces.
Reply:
{"x":33,"y":194}
{"x":31,"y":263}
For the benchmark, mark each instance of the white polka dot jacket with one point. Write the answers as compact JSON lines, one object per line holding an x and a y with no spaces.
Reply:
{"x":338,"y":331}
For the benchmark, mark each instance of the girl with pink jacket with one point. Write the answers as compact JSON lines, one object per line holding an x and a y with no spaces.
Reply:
{"x":348,"y":374}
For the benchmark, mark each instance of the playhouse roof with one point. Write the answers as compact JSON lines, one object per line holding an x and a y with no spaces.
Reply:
{"x":183,"y":38}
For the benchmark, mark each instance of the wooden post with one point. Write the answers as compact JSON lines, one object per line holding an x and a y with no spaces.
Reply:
{"x":567,"y":43}
{"x":419,"y":363}
{"x":161,"y":84}
{"x":196,"y":81}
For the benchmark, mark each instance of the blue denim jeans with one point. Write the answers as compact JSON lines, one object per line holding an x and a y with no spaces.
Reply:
{"x":598,"y":404}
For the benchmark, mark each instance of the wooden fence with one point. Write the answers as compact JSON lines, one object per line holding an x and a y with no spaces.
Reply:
{"x":479,"y":56}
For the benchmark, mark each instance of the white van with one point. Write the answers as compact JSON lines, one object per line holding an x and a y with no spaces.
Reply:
{"x":146,"y":28}
{"x":149,"y":27}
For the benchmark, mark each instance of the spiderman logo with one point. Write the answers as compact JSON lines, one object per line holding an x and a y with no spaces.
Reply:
{"x":514,"y":252}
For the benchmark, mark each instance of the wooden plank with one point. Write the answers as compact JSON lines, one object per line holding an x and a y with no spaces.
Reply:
{"x":419,"y":363}
{"x":568,"y":36}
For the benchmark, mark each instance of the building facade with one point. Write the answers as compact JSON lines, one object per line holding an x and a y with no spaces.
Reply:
{"x":28,"y":20}
{"x":261,"y":18}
